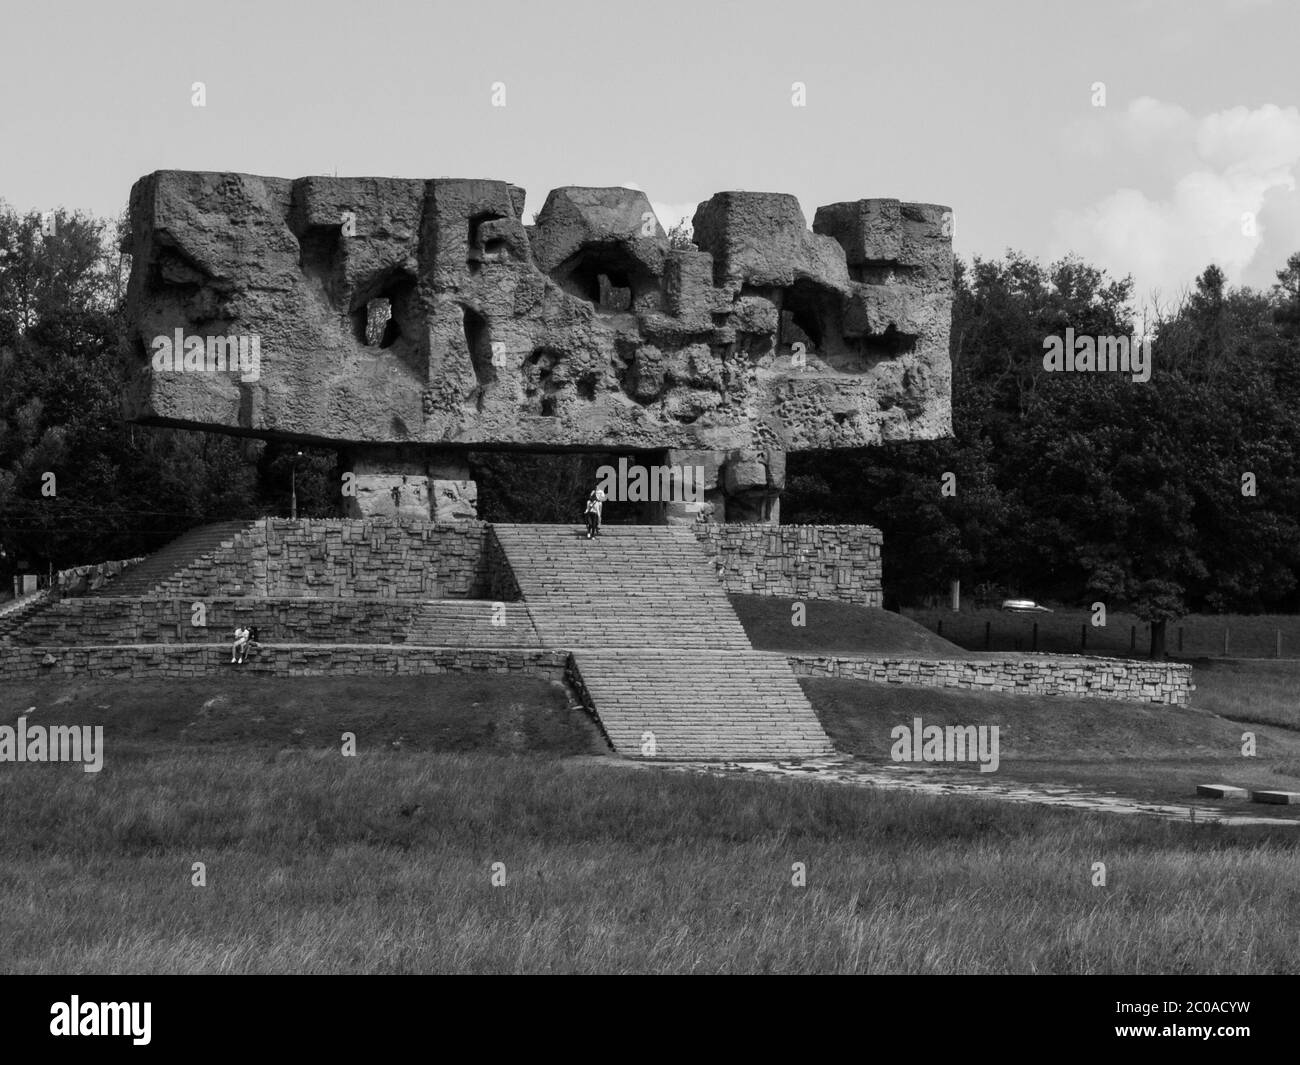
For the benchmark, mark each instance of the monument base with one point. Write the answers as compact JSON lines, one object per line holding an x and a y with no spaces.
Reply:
{"x":738,"y":486}
{"x":410,"y":482}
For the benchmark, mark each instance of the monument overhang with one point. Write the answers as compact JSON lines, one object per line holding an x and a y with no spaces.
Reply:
{"x":383,"y":311}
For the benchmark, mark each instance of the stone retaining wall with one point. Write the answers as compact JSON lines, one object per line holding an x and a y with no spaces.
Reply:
{"x":286,"y":620}
{"x":797,"y":561}
{"x":348,"y":558}
{"x":1074,"y":676}
{"x":173,"y":661}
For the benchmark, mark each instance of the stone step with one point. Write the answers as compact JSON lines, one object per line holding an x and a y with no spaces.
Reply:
{"x":656,"y":646}
{"x":23,"y":612}
{"x":472,"y":623}
{"x":145,"y":577}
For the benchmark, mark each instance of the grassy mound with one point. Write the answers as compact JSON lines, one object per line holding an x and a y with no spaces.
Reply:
{"x":446,"y":712}
{"x":837,"y":628}
{"x":1144,"y":750}
{"x":1258,"y":691}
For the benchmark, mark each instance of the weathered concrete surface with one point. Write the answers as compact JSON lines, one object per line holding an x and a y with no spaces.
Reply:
{"x":583,"y":330}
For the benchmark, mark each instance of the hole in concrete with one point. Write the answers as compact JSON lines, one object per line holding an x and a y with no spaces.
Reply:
{"x":808,"y":307}
{"x":881,"y":272}
{"x":887,"y":345}
{"x":477,"y":220}
{"x":478,"y":338}
{"x":380,"y":307}
{"x":477,"y":251}
{"x":540,"y":383}
{"x":606,"y":276}
{"x":754,"y":345}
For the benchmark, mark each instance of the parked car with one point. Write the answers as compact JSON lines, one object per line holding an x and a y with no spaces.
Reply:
{"x":1024,"y":606}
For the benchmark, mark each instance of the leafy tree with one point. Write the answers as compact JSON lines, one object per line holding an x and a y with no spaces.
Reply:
{"x":679,"y":236}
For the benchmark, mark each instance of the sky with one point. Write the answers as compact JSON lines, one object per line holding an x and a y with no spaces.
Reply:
{"x":1150,"y":137}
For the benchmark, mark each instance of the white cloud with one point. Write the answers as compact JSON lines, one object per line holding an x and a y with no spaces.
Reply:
{"x":1228,"y":163}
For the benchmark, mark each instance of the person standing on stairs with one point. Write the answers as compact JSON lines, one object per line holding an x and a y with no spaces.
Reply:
{"x":594,"y":502}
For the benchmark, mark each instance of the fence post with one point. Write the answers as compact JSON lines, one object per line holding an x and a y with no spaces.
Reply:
{"x":1225,"y":641}
{"x":988,"y":635}
{"x":1277,"y":646}
{"x":1180,"y":640}
{"x":1132,"y":638}
{"x":1035,"y":636}
{"x":939,"y":631}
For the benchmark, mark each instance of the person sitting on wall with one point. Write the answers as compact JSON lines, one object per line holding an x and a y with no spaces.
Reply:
{"x":240,"y":651}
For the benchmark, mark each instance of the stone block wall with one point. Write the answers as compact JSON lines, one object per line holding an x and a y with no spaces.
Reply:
{"x":839,"y":562}
{"x":285,"y":620}
{"x":1072,"y":675}
{"x":173,"y":661}
{"x":341,"y":558}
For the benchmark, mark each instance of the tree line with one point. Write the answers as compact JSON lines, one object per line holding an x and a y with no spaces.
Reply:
{"x":1174,"y":495}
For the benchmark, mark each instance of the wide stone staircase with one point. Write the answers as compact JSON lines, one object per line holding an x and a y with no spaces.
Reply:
{"x":144,"y":577}
{"x":472,"y":623}
{"x":662,"y":659}
{"x":17,"y":613}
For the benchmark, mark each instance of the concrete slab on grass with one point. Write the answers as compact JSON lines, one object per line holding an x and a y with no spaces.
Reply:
{"x":1222,"y":791}
{"x":1282,"y":798}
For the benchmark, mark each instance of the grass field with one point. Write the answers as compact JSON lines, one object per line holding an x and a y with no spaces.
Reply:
{"x":383,"y":863}
{"x":1251,"y":692}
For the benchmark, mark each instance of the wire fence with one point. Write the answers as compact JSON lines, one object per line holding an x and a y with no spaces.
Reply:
{"x":1073,"y":632}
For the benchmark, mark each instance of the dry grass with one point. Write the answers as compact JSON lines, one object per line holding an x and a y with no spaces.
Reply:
{"x":1251,"y":692}
{"x":383,"y":862}
{"x":316,"y":863}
